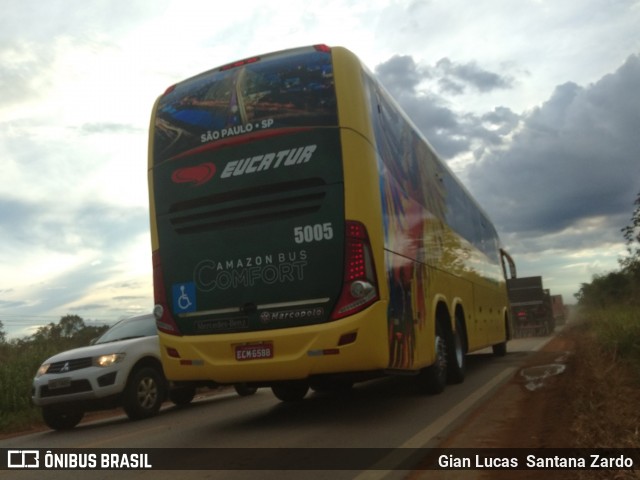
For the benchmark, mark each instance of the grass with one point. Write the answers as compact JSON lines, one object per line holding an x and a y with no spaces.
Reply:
{"x":617,"y":330}
{"x":18,"y":365}
{"x":605,"y":387}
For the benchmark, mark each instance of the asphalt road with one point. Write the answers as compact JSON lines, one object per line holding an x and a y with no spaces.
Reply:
{"x":385,"y":413}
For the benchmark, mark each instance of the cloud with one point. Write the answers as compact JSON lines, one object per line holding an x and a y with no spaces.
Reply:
{"x":99,"y":268}
{"x":35,"y":36}
{"x":576,"y":157}
{"x":68,"y":228}
{"x":79,"y":256}
{"x":24,"y":72}
{"x":576,"y":154}
{"x":401,"y":73}
{"x":11,"y":304}
{"x":41,"y":22}
{"x":108,"y":127}
{"x":501,"y":120}
{"x":558,"y":180}
{"x":422,"y":93}
{"x":455,"y":77}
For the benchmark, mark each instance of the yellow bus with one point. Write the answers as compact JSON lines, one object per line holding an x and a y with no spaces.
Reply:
{"x":306,"y":235}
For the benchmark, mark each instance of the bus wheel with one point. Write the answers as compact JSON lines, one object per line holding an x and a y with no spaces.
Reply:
{"x":322,"y":385}
{"x":500,"y":349}
{"x":293,"y":391}
{"x":244,"y":390}
{"x":182,"y":395}
{"x":456,"y":358}
{"x":433,"y":379}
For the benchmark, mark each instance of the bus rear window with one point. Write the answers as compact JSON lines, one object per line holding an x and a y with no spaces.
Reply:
{"x":288,"y":89}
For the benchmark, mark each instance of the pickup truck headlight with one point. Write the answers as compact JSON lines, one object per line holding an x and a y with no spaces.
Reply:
{"x":108,"y":360}
{"x":42,"y":370}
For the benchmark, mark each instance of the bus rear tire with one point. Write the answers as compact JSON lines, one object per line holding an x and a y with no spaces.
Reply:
{"x":292,"y":391}
{"x":456,"y":356}
{"x":330,"y":385}
{"x":433,"y":379}
{"x":182,"y":396}
{"x":244,"y":390}
{"x":500,"y":349}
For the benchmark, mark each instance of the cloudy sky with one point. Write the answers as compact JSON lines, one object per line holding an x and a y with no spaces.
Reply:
{"x":536,"y":108}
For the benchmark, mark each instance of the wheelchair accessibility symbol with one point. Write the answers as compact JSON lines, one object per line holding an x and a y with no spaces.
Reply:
{"x":184,"y":297}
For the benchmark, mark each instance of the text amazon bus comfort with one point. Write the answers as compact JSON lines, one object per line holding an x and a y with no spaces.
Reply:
{"x":305,"y":234}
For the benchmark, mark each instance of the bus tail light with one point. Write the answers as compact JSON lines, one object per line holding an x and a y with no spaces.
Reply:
{"x":240,"y":63}
{"x":359,"y":287}
{"x":164,"y":322}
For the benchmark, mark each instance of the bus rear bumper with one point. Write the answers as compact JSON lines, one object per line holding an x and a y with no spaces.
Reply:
{"x":358,"y":343}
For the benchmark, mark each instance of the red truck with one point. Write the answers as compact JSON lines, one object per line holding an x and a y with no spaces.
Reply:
{"x":559,"y":310}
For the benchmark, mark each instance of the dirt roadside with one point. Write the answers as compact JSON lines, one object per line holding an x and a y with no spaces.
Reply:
{"x":593,"y":403}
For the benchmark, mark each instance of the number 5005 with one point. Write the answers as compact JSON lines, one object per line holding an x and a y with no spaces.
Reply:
{"x":313,"y":233}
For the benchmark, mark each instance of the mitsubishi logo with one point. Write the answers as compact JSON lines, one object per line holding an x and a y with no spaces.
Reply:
{"x":65,"y":367}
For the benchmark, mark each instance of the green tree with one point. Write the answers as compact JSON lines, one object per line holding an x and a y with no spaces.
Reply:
{"x":49,"y":332}
{"x":70,"y":332}
{"x":3,"y":335}
{"x":631,"y":235}
{"x":613,"y":288}
{"x":89,"y":333}
{"x":70,"y":325}
{"x":66,"y":328}
{"x":621,"y":287}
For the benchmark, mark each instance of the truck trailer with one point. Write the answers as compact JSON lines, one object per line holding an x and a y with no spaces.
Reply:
{"x":531,"y":307}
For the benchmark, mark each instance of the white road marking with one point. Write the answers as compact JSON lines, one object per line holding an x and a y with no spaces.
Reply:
{"x":422,"y":438}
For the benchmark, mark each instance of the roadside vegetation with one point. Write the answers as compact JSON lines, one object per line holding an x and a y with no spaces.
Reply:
{"x":610,"y":304}
{"x":20,"y":359}
{"x":605,"y":392}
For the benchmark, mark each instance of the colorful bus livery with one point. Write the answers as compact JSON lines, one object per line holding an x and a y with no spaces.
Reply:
{"x":304,"y":233}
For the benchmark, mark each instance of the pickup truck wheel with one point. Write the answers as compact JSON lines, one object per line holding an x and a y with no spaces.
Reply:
{"x":144,"y":393}
{"x":61,"y":418}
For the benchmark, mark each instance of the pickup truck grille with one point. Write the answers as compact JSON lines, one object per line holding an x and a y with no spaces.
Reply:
{"x":70,"y":365}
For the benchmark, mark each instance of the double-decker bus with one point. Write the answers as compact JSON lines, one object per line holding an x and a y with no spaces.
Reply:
{"x":305,"y":234}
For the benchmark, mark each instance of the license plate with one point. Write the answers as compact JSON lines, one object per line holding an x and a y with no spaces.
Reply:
{"x":254,"y":351}
{"x":59,"y":383}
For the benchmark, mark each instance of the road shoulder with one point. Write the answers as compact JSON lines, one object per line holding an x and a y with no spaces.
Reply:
{"x":517,"y":415}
